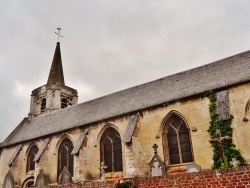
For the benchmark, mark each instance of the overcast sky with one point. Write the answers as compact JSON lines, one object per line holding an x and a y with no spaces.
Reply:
{"x":110,"y":45}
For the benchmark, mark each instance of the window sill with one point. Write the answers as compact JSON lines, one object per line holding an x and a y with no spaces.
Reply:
{"x":182,"y":164}
{"x":177,"y":169}
{"x":113,"y":175}
{"x":30,"y":173}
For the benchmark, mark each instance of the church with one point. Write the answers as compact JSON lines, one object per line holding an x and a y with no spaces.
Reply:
{"x":118,"y":130}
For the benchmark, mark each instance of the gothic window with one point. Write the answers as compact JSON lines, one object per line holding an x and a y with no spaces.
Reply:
{"x":29,"y":182}
{"x":43,"y":104}
{"x":64,"y":156}
{"x":31,"y":155}
{"x":111,"y":150}
{"x":177,"y":142}
{"x":64,"y":103}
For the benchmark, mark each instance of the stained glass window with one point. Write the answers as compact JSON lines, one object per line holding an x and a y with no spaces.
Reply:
{"x":64,"y":156}
{"x":31,"y":155}
{"x":177,"y":141}
{"x":111,"y":150}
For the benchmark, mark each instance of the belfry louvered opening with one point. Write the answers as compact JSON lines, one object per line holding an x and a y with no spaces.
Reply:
{"x":43,"y":104}
{"x":64,"y":103}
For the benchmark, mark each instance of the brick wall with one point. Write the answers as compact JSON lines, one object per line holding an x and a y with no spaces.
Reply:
{"x":231,"y":178}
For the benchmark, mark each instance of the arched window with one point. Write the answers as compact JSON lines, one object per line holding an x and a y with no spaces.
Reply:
{"x":43,"y":104}
{"x":177,"y":142}
{"x":64,"y":103}
{"x":64,"y":156}
{"x":29,"y":182}
{"x":31,"y":155}
{"x":111,"y":150}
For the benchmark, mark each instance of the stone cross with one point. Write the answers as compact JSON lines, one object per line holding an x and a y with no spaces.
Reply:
{"x":58,"y":33}
{"x":155,"y":146}
{"x":234,"y":162}
{"x":102,"y":171}
{"x":219,"y":141}
{"x":156,"y":164}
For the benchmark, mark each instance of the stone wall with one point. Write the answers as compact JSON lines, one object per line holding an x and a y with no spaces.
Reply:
{"x":231,"y":178}
{"x":138,"y":153}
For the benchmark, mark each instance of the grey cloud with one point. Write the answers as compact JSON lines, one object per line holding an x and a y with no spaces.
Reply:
{"x":110,"y":45}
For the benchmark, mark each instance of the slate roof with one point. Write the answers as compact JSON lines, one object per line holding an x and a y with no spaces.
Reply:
{"x":220,"y":74}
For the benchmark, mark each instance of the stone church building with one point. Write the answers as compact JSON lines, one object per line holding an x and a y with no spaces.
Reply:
{"x":120,"y":129}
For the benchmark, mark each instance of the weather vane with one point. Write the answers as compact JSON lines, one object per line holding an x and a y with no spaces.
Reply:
{"x":58,"y":33}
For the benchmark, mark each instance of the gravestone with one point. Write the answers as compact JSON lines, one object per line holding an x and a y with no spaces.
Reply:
{"x":156,"y":164}
{"x":65,"y":177}
{"x":41,"y":180}
{"x":102,"y":171}
{"x":9,"y":181}
{"x":193,"y":167}
{"x":234,"y":162}
{"x":156,"y":167}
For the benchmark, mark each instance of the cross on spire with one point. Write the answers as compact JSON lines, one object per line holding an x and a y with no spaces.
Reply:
{"x":58,"y":33}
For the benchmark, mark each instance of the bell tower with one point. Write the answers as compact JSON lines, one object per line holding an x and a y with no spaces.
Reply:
{"x":55,"y":95}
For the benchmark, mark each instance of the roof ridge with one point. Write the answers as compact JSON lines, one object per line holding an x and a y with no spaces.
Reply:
{"x":220,"y":74}
{"x":165,"y":77}
{"x":25,"y":120}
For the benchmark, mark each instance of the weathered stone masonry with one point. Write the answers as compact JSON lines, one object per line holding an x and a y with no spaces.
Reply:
{"x":155,"y":107}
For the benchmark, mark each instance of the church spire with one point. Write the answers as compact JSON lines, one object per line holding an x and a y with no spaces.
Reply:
{"x":54,"y":95}
{"x":56,"y":70}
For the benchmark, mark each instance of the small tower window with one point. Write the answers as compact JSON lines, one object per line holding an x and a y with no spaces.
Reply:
{"x":43,"y":104}
{"x":64,"y":103}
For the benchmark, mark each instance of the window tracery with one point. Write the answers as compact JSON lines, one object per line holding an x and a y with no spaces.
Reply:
{"x":30,"y":158}
{"x":64,"y":156}
{"x":111,"y":150}
{"x":177,"y":142}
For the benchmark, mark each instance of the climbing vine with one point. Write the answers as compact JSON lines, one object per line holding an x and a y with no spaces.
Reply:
{"x":226,"y":130}
{"x":125,"y":184}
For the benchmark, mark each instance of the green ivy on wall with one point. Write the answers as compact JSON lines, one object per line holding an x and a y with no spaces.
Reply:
{"x":125,"y":184}
{"x":226,"y":130}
